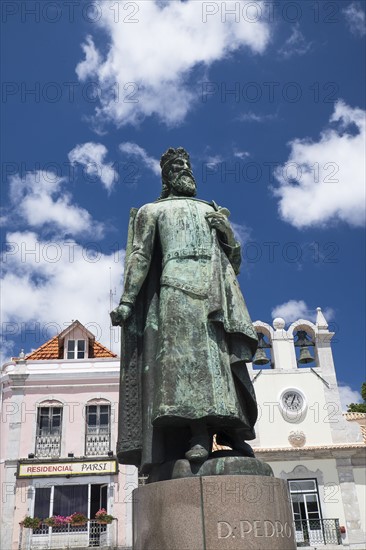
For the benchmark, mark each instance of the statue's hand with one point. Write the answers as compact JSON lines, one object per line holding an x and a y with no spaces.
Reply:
{"x":219,"y":221}
{"x":120,"y":314}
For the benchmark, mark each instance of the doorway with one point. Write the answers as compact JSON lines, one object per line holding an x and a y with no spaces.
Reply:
{"x":98,"y":500}
{"x":306,"y":512}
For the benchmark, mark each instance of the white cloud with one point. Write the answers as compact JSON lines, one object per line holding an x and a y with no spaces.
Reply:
{"x":253,"y":117}
{"x":293,"y":310}
{"x":89,"y":67}
{"x":7,"y":348}
{"x":241,"y":154}
{"x":47,"y":278}
{"x":242,"y":232}
{"x":54,"y":282}
{"x":150,"y":61}
{"x":213,"y":160}
{"x":348,"y":396}
{"x":355,"y":18}
{"x":40,"y":200}
{"x":134,"y":150}
{"x":296,"y":44}
{"x":92,"y":157}
{"x":324,"y":181}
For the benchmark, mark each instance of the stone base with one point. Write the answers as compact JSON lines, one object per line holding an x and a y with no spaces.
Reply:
{"x":222,"y":512}
{"x":214,"y":466}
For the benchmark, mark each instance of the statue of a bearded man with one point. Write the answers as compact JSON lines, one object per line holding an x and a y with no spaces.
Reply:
{"x":186,"y":331}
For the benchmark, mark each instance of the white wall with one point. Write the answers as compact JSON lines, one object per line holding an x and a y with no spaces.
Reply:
{"x":272,"y":428}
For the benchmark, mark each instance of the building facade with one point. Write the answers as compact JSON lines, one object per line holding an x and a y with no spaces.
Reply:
{"x":304,"y":436}
{"x":59,"y":430}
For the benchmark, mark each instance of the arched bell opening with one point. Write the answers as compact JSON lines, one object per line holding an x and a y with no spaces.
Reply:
{"x":263,"y":358}
{"x":305,"y":347}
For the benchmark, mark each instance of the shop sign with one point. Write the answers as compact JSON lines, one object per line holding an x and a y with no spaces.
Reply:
{"x":73,"y":468}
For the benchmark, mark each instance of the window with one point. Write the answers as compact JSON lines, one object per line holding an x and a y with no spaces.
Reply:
{"x":306,"y":510}
{"x":49,"y":420}
{"x":98,"y":429}
{"x":68,"y":499}
{"x":75,"y":349}
{"x":48,"y":439}
{"x":42,"y":503}
{"x":64,"y":500}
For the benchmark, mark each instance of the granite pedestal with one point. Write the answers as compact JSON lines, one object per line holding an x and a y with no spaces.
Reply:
{"x":214,"y":512}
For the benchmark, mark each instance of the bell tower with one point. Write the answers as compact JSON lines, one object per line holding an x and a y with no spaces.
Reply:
{"x":296,"y":386}
{"x":301,"y":430}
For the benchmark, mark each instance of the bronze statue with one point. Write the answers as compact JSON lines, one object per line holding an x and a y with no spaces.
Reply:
{"x":186,"y":331}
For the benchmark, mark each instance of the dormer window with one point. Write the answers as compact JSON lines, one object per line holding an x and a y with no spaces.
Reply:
{"x":73,"y":343}
{"x":75,"y":349}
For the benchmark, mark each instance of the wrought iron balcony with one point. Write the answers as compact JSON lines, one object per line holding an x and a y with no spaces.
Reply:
{"x":317,"y":531}
{"x":48,"y":446}
{"x":97,"y":444}
{"x":92,"y":534}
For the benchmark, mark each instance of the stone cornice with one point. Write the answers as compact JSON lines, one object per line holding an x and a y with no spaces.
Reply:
{"x":17,"y":380}
{"x":354,"y":416}
{"x":310,"y":451}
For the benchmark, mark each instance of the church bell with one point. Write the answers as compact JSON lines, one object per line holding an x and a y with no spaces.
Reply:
{"x":305,"y":356}
{"x":260,"y":357}
{"x":303,"y":342}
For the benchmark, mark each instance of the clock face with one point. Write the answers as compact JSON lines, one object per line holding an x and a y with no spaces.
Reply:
{"x":292,"y":401}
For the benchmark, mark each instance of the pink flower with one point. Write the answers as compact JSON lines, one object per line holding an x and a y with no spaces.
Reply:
{"x":60,"y":520}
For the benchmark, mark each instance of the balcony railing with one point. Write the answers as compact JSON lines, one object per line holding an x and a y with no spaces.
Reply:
{"x":97,"y":445}
{"x":90,"y":535}
{"x":48,"y":446}
{"x":317,"y":531}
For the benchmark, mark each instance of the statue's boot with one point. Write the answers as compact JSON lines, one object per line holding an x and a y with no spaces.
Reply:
{"x":199,"y":448}
{"x":233,"y":440}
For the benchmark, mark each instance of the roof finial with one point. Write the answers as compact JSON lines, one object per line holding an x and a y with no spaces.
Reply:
{"x":321,"y":322}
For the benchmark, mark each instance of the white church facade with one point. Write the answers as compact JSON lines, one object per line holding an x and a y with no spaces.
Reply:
{"x":303,"y":435}
{"x":59,"y":429}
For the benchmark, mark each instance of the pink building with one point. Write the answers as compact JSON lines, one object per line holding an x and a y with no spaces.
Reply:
{"x":59,"y":430}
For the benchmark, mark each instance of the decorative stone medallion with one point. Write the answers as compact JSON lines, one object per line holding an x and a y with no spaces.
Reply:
{"x":297,"y":439}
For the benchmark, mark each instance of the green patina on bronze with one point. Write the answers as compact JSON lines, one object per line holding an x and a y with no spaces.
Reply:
{"x":186,"y":330}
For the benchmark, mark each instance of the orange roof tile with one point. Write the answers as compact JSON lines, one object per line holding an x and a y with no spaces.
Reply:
{"x":51,"y":350}
{"x":101,"y":351}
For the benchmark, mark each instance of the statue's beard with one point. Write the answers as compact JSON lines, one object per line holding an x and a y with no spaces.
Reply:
{"x":184,"y":184}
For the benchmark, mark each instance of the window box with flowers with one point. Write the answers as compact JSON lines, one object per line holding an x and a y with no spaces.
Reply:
{"x":103,"y":518}
{"x":31,"y":523}
{"x":77,"y":519}
{"x":56,"y":521}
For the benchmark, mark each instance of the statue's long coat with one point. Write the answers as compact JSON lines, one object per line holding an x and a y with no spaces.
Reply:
{"x":185,"y":346}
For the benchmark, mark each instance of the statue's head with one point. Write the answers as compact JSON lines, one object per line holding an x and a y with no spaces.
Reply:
{"x":176,"y":174}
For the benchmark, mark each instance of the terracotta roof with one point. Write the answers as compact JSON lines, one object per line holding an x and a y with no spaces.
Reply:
{"x":354,"y":415}
{"x":50,"y":350}
{"x":101,"y":351}
{"x":363,"y":431}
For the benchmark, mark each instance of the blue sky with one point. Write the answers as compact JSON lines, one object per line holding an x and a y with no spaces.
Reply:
{"x":268,"y":99}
